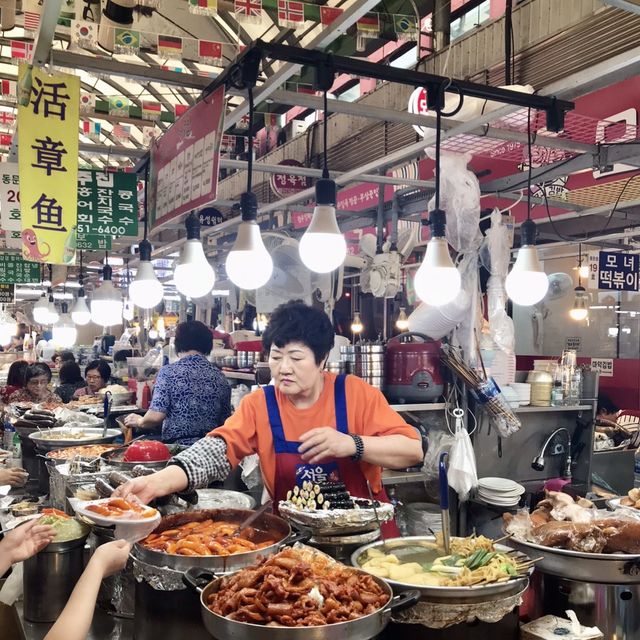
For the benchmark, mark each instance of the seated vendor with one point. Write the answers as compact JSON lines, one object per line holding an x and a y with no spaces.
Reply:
{"x":37,"y":378}
{"x":97,"y":374}
{"x":311,"y":425}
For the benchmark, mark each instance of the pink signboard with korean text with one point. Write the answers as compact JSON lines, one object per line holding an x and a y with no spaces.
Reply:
{"x":184,"y":161}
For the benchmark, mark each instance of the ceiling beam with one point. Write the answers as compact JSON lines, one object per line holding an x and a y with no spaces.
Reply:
{"x":136,"y":72}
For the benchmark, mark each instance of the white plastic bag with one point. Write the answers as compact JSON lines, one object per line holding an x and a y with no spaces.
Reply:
{"x":460,"y":200}
{"x":463,"y":476}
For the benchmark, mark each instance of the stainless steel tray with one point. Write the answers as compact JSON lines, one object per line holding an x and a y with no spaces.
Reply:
{"x":481,"y":593}
{"x":94,"y":436}
{"x":606,"y":568}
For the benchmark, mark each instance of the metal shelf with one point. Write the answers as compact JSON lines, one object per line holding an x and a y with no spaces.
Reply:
{"x":580,"y":407}
{"x":240,"y":375}
{"x":390,"y":477}
{"x":425,"y":406}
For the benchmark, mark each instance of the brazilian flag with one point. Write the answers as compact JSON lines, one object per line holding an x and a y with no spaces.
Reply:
{"x":126,"y":40}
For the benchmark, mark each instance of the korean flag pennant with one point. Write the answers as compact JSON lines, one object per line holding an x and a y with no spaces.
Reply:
{"x":84,"y":34}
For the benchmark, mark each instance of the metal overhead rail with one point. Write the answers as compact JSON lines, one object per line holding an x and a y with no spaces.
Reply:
{"x":328,"y":64}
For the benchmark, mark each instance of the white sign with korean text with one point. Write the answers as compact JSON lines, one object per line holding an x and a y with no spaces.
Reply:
{"x":603,"y":365}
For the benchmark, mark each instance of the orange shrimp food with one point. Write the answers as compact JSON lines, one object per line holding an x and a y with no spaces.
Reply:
{"x":120,"y":508}
{"x":205,"y":538}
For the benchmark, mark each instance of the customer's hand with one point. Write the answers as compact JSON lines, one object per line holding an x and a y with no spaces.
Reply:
{"x":133,"y":420}
{"x":14,"y":477}
{"x":111,"y":557}
{"x":26,"y":540}
{"x":323,"y":443}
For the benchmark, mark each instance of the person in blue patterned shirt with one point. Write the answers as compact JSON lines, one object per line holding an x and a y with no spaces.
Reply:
{"x":191,"y":396}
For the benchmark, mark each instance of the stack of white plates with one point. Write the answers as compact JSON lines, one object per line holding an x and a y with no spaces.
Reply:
{"x":523,"y":391}
{"x":500,"y":491}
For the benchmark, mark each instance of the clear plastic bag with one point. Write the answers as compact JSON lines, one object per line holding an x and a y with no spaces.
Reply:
{"x":462,"y":474}
{"x":439,"y":442}
{"x":460,"y":200}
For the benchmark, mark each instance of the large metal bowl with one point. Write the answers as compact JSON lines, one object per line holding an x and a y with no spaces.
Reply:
{"x":94,"y":436}
{"x":115,"y":459}
{"x":368,"y":626}
{"x":481,"y":593}
{"x":606,"y":568}
{"x":274,"y":526}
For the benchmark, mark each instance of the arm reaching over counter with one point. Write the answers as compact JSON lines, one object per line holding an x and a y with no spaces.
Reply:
{"x":23,"y":542}
{"x":75,"y":620}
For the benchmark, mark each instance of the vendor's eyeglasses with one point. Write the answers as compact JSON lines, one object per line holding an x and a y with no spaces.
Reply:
{"x":94,"y":378}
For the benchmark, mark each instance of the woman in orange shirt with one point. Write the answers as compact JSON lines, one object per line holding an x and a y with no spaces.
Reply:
{"x":311,"y":425}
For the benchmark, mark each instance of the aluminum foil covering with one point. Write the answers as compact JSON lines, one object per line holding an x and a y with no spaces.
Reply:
{"x":335,"y":519}
{"x":158,"y":578}
{"x":222,"y":499}
{"x":437,"y":615}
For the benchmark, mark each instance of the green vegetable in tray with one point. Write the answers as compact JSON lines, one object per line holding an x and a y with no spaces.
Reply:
{"x":67,"y":528}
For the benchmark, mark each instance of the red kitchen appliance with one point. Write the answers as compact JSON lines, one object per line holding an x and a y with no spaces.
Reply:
{"x":412,"y":369}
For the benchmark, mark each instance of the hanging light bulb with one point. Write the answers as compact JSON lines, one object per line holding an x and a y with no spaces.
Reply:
{"x":402,"y":323}
{"x":146,"y":290}
{"x":106,"y":304}
{"x":249,"y":265}
{"x":64,"y":331}
{"x":580,"y":309}
{"x":356,"y":325}
{"x":323,"y":247}
{"x":41,"y":310}
{"x":8,"y":328}
{"x":193,"y":275}
{"x":583,"y":271}
{"x":527,"y":283}
{"x":437,"y":281}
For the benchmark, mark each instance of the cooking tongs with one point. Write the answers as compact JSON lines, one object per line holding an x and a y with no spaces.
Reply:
{"x":444,"y":503}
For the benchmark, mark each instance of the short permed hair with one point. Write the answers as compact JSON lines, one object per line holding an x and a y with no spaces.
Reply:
{"x":193,"y":336}
{"x":101,"y":367}
{"x":295,"y":321}
{"x":70,"y":373}
{"x":37,"y":369}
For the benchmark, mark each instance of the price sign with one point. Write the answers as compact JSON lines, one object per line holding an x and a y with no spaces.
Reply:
{"x":7,"y":293}
{"x":285,"y":184}
{"x":573,"y":342}
{"x":604,"y":366}
{"x":15,"y":270}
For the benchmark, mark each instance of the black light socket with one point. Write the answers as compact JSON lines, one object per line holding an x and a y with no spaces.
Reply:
{"x":65,"y":307}
{"x":107,"y":272}
{"x":528,"y":233}
{"x":580,"y":289}
{"x":249,"y":206}
{"x":145,"y":250}
{"x":192,"y":224}
{"x":438,"y":222}
{"x":326,"y":192}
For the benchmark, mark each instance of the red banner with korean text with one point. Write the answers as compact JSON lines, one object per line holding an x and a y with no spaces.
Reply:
{"x":185,"y":160}
{"x":48,"y":166}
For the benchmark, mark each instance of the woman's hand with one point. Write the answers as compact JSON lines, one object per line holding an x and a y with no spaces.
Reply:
{"x":133,"y":420}
{"x":14,"y":477}
{"x":172,"y":479}
{"x":111,"y":557}
{"x":323,"y":443}
{"x":26,"y":540}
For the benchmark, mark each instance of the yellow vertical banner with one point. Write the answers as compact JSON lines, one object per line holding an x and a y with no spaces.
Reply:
{"x":48,"y":166}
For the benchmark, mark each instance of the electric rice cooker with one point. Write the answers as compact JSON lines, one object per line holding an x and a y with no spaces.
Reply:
{"x":412,"y":369}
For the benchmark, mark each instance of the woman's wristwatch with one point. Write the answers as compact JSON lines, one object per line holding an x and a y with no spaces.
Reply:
{"x":359,"y":447}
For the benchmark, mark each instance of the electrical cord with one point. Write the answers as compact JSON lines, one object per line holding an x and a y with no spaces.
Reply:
{"x":250,"y":157}
{"x":325,"y":135}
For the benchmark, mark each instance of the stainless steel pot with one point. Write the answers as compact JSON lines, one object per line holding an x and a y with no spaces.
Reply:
{"x":362,"y":628}
{"x":604,"y":568}
{"x":94,"y":436}
{"x":114,"y":459}
{"x":49,"y":578}
{"x":220,"y":564}
{"x":445,"y":594}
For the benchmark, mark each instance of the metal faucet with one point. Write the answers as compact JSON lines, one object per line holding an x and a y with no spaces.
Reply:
{"x":538,"y":461}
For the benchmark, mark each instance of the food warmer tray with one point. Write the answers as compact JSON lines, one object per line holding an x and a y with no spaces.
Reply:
{"x":94,"y":436}
{"x":478,"y":593}
{"x":606,"y":568}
